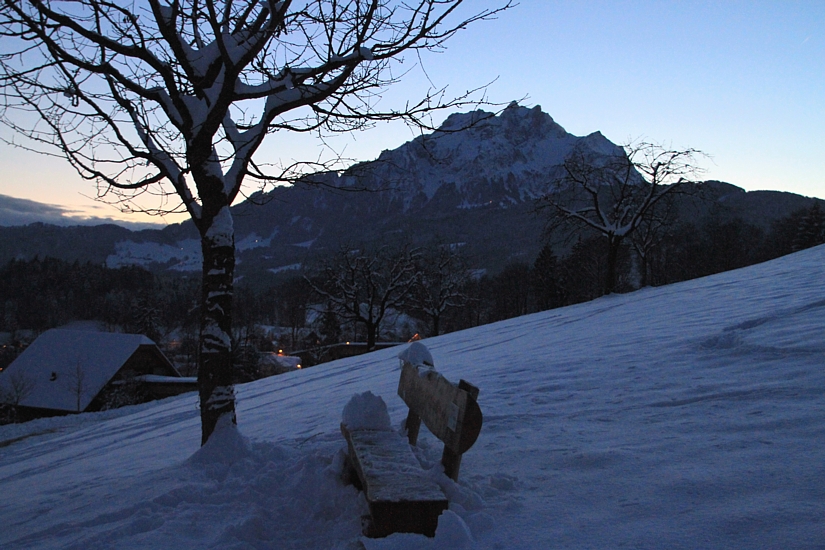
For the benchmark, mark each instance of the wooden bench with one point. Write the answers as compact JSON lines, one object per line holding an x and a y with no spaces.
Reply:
{"x":401,"y":498}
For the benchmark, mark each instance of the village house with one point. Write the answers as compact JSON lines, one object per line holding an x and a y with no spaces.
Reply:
{"x":70,"y":371}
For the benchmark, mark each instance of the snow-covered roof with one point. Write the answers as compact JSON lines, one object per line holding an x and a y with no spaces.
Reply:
{"x":290,"y":362}
{"x":65,"y":369}
{"x":158,"y":379}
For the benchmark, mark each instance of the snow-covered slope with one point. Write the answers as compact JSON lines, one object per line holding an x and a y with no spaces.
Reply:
{"x":688,"y":416}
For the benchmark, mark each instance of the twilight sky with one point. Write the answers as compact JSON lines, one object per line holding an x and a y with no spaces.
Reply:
{"x":743,"y":81}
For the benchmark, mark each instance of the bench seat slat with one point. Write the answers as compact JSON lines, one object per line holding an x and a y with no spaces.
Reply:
{"x":389,"y":470}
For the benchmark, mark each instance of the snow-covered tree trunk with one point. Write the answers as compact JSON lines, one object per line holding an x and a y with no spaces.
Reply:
{"x":217,"y":396}
{"x":372,"y":329}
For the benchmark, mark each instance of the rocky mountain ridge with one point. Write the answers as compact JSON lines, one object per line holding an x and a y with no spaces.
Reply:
{"x":470,"y":184}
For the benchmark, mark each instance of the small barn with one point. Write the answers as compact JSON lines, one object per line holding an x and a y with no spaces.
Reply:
{"x":69,"y":371}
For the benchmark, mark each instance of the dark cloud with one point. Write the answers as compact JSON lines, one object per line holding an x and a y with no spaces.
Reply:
{"x":14,"y":211}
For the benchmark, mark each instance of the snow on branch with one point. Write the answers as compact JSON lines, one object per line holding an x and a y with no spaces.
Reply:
{"x":614,"y":194}
{"x":161,"y":80}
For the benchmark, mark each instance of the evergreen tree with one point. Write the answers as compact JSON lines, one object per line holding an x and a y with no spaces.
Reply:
{"x":510,"y":292}
{"x":811,"y":229}
{"x":147,"y":318}
{"x":330,"y":327}
{"x":546,"y":275}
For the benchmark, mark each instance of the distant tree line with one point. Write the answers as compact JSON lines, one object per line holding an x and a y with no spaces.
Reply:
{"x":334,"y":302}
{"x":39,"y":294}
{"x":685,"y":250}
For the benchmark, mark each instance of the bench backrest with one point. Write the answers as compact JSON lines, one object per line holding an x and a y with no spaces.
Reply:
{"x":449,"y":411}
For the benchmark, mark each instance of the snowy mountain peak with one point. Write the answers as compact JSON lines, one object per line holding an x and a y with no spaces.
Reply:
{"x":473,"y":179}
{"x":515,"y":121}
{"x":480,"y":158}
{"x":601,"y":145}
{"x":461,"y":121}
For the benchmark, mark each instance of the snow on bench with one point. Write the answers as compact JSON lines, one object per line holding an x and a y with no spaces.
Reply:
{"x":401,"y":498}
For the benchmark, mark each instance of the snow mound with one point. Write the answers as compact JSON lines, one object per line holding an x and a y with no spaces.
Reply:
{"x":366,"y":411}
{"x":417,"y":355}
{"x":451,"y":533}
{"x":225,"y":446}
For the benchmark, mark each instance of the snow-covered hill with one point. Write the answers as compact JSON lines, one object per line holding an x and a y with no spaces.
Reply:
{"x":688,"y":416}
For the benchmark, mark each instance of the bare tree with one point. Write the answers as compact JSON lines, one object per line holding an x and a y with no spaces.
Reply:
{"x":614,"y":194}
{"x":14,"y":387}
{"x":655,"y":227}
{"x":174,"y":98}
{"x":364,"y":287}
{"x":442,"y":284}
{"x":77,"y":384}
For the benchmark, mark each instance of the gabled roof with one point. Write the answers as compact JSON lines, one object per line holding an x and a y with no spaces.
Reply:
{"x":67,"y":368}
